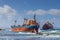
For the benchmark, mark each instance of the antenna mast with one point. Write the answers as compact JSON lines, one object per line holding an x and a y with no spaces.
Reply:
{"x":15,"y":22}
{"x":35,"y":17}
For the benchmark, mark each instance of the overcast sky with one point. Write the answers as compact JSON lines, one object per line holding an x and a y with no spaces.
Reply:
{"x":45,"y":10}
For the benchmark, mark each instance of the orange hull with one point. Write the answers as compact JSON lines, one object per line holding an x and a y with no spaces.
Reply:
{"x":22,"y":29}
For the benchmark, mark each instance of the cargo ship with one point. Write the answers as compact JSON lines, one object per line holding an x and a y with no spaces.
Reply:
{"x":27,"y":26}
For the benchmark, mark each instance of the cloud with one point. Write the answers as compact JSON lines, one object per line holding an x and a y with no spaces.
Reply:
{"x":43,"y":12}
{"x":7,"y":15}
{"x":7,"y":11}
{"x":54,"y":11}
{"x":38,"y":12}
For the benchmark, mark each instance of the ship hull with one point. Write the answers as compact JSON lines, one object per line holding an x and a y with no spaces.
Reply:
{"x":26,"y":29}
{"x":23,"y":29}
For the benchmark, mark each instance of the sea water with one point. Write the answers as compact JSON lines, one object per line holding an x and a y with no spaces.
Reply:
{"x":9,"y":35}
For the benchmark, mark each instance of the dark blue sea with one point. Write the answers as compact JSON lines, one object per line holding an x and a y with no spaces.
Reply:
{"x":47,"y":35}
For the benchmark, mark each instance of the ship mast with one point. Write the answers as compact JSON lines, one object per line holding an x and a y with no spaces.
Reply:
{"x":15,"y":22}
{"x":25,"y":20}
{"x":35,"y":17}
